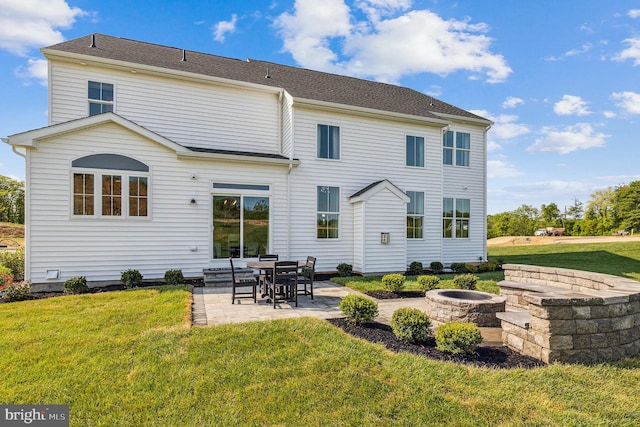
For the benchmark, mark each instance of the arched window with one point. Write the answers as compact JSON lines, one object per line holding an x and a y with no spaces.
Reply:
{"x":110,"y":185}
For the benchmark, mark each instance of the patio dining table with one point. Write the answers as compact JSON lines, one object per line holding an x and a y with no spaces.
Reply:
{"x":267,"y":267}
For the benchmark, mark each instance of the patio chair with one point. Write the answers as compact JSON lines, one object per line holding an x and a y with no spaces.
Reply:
{"x":262,"y":277}
{"x":306,"y":276}
{"x":242,"y":283}
{"x":285,"y":277}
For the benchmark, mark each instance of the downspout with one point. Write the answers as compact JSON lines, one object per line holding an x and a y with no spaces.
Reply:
{"x":484,"y":255}
{"x":444,"y":130}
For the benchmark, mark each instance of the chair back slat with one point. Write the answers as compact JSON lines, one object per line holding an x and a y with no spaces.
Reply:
{"x":268,"y":257}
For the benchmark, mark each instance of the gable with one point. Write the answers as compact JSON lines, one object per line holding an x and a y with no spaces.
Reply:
{"x":374,"y":188}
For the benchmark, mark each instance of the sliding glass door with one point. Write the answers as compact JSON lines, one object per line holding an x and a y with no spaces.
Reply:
{"x":240,"y":226}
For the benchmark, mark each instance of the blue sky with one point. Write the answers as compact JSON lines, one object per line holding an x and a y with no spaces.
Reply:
{"x":561,"y":79}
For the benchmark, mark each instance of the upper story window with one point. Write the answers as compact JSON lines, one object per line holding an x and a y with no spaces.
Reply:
{"x":100,"y":98}
{"x":328,"y":212}
{"x":415,"y":214}
{"x":328,"y":142}
{"x":110,"y":185}
{"x":456,"y":145}
{"x":455,"y":223}
{"x":415,"y":151}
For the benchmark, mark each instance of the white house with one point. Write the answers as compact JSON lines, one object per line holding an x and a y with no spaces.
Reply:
{"x":157,"y":158}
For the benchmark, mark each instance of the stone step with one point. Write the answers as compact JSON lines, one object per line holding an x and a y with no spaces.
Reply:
{"x":518,"y":318}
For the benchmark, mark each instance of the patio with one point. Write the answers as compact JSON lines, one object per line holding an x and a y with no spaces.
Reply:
{"x":212,"y":306}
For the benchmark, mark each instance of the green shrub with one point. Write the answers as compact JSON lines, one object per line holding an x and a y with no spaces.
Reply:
{"x":131,"y":278}
{"x":458,"y":267}
{"x":393,"y":282}
{"x":5,"y":276}
{"x":415,"y":268}
{"x":14,"y":261}
{"x":428,"y":283}
{"x":471,"y":268}
{"x":358,"y":309}
{"x":458,"y":337}
{"x":465,"y":281}
{"x":17,"y":291}
{"x":489,"y":266}
{"x":411,"y":324}
{"x":436,"y":267}
{"x":76,"y":285}
{"x":173,"y":277}
{"x":344,"y":269}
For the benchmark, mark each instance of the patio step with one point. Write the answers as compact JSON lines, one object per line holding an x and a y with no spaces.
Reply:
{"x":221,"y":277}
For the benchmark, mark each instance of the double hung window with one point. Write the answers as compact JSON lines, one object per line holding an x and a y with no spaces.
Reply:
{"x":328,"y":212}
{"x":456,"y":146}
{"x":100,"y":97}
{"x":328,"y":142}
{"x":415,"y":214}
{"x":415,"y":151}
{"x":455,"y":222}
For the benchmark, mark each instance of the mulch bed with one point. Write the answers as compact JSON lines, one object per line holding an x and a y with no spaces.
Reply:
{"x":380,"y":294}
{"x":488,"y":357}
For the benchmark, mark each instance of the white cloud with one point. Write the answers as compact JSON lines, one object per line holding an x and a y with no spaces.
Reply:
{"x":634,"y":13}
{"x":36,"y":69}
{"x":34,"y":23}
{"x":501,"y":168}
{"x":628,"y":101}
{"x":578,"y":137}
{"x":632,"y":52}
{"x":609,"y":114}
{"x":221,"y":29}
{"x":505,"y":126}
{"x":571,"y":105}
{"x":512,"y":102}
{"x":389,"y":44}
{"x":586,"y":47}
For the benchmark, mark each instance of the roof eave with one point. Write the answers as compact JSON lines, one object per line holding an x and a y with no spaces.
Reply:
{"x":367,"y":112}
{"x":472,"y":120}
{"x":87,"y":60}
{"x":237,"y":158}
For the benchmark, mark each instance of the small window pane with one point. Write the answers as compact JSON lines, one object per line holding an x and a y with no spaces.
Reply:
{"x":416,"y":203}
{"x":107,"y":92}
{"x":447,"y":208}
{"x":411,"y":154}
{"x":447,"y":139}
{"x":327,"y":226}
{"x":463,"y":208}
{"x":328,"y":141}
{"x":83,"y":194}
{"x":447,"y":156}
{"x":447,"y":228}
{"x":463,"y":140}
{"x":94,"y":90}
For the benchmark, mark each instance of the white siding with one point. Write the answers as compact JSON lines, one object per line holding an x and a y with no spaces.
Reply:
{"x":359,"y":221}
{"x":102,"y":248}
{"x":192,"y":114}
{"x":385,"y":213}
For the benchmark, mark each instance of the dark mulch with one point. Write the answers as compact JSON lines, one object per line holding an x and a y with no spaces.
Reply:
{"x":380,"y":294}
{"x":489,"y":357}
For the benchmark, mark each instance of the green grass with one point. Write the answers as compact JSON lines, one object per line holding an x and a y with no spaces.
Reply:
{"x":487,"y":282}
{"x":619,"y":259}
{"x":131,"y":359}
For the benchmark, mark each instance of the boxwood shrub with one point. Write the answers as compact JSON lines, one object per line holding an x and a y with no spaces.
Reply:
{"x":411,"y":324}
{"x":393,"y":282}
{"x":458,"y":337}
{"x":358,"y":309}
{"x":428,"y":283}
{"x":344,"y":269}
{"x":436,"y":267}
{"x":458,"y":267}
{"x":131,"y":278}
{"x":415,"y":268}
{"x":465,"y":281}
{"x":76,"y":285}
{"x":173,"y":277}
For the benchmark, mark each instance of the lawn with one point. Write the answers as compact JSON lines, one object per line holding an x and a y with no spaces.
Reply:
{"x":486,"y":283}
{"x":619,"y":259}
{"x":130,"y":358}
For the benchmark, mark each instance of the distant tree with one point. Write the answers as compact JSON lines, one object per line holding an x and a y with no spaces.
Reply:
{"x":551,"y":215}
{"x":600,"y":214}
{"x":576,"y":210}
{"x":520,"y":222}
{"x":11,"y":200}
{"x":627,"y":205}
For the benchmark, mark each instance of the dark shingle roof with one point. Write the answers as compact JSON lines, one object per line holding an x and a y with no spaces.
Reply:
{"x":299,"y":82}
{"x":238,"y":153}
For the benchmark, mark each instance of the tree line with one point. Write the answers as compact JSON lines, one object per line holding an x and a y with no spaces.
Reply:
{"x":11,"y":200}
{"x":606,"y":212}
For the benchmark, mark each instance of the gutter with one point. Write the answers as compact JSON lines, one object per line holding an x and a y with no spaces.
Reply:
{"x":14,"y":148}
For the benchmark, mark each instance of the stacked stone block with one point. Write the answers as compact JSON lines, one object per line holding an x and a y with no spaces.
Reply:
{"x":570,"y":315}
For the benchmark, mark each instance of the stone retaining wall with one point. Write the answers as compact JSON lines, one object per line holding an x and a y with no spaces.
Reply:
{"x":573,"y":316}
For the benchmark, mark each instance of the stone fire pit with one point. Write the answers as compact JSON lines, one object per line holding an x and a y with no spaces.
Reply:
{"x":449,"y":305}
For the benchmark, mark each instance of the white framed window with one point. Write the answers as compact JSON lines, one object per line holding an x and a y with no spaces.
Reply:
{"x":328,"y":212}
{"x":456,"y":145}
{"x":415,"y":151}
{"x":328,"y":139}
{"x":415,"y":214}
{"x":100,"y":97}
{"x":455,"y":222}
{"x":109,"y":186}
